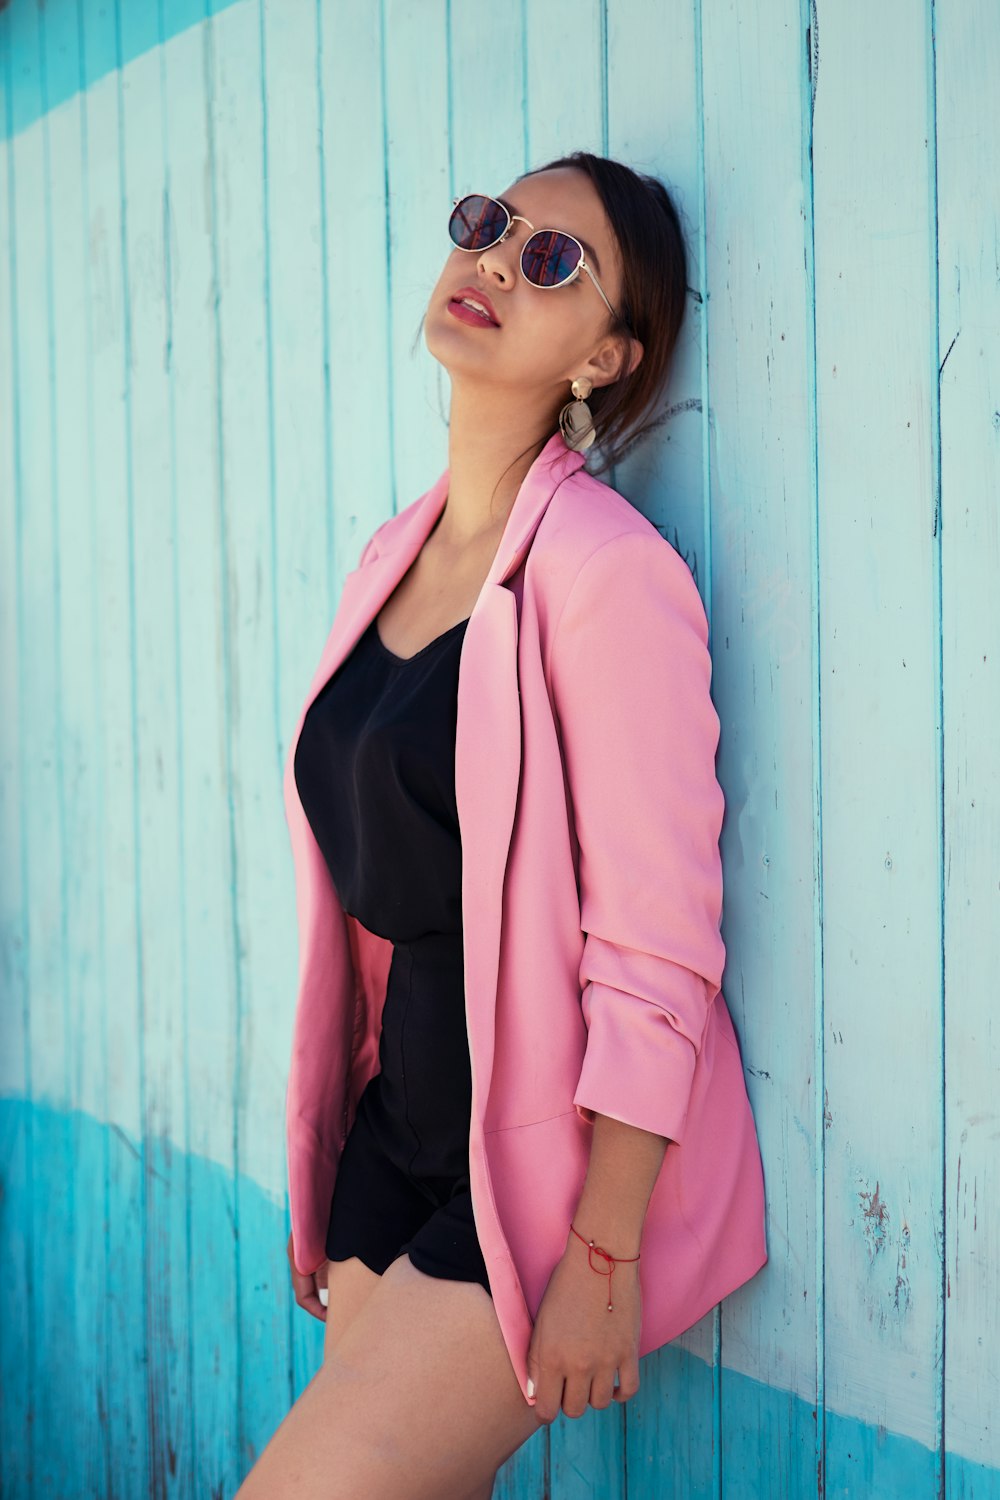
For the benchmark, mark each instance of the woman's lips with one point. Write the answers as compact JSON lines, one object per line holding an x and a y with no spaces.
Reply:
{"x":469,"y":315}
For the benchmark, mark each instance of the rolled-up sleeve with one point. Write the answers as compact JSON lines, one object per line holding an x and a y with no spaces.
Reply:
{"x":631,"y":672}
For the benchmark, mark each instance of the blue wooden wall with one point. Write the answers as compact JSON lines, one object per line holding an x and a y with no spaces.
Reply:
{"x":219,"y":229}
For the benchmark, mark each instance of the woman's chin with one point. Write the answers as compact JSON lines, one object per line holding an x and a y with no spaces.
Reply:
{"x":458,"y":350}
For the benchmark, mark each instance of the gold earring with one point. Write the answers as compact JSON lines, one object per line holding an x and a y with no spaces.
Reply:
{"x":576,"y":421}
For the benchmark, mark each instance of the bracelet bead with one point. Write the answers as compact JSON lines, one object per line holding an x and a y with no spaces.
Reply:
{"x":592,"y":1250}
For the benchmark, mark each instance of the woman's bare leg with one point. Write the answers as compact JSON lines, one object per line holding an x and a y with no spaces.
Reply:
{"x":484,"y":1492}
{"x":417,"y":1400}
{"x":349,"y":1284}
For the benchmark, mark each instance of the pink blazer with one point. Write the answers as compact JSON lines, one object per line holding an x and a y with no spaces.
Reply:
{"x":590,"y":816}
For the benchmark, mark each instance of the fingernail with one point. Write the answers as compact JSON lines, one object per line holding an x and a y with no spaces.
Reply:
{"x":324,"y":1295}
{"x":531,"y":1386}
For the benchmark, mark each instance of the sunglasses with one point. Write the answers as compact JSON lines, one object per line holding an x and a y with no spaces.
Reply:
{"x":549,"y":257}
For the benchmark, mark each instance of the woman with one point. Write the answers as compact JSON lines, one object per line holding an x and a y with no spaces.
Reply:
{"x":521,"y":1152}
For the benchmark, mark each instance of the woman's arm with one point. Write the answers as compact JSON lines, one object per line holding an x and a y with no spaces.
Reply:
{"x":630,"y":673}
{"x":624,"y":1164}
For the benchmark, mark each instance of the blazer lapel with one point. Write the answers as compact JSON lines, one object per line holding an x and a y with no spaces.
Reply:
{"x":488,"y":737}
{"x":488,"y":753}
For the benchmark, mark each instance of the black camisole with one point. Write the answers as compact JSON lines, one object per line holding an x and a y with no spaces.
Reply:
{"x":375,"y":771}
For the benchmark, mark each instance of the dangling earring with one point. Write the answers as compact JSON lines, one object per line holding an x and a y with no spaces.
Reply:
{"x":576,"y":420}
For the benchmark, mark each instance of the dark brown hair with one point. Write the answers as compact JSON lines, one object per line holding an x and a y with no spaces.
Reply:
{"x":646,"y":224}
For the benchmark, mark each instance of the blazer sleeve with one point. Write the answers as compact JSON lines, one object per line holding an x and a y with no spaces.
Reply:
{"x":630,"y":672}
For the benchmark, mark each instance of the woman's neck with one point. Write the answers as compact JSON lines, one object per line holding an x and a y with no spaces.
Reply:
{"x":490,"y":450}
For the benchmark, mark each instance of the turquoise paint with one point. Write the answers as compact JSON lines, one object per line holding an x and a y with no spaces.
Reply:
{"x":212,"y":1464}
{"x":173,"y":529}
{"x":70,"y":70}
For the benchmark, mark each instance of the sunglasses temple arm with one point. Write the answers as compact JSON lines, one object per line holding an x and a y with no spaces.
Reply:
{"x":600,"y":289}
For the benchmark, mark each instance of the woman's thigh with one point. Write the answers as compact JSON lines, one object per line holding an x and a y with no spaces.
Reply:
{"x":417,"y":1400}
{"x":349,"y":1284}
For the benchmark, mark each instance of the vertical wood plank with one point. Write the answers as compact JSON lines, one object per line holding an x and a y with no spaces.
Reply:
{"x":159,"y":872}
{"x":354,"y":216}
{"x":759,"y":474}
{"x":79,"y":1233}
{"x":564,"y":41}
{"x":417,"y":156}
{"x":967,"y":48}
{"x":49,"y":1039}
{"x":118,"y":1046}
{"x":17,"y":1374}
{"x":879,"y":681}
{"x":200,"y":1003}
{"x":240,"y":491}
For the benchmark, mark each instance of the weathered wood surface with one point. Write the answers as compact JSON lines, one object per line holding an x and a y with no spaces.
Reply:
{"x":218,"y":230}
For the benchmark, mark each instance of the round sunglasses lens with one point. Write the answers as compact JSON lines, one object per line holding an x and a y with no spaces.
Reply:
{"x":549,"y":258}
{"x":476,"y":222}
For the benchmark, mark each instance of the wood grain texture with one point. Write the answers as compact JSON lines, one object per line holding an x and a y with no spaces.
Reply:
{"x":219,"y":225}
{"x":879,"y":680}
{"x":967,"y":357}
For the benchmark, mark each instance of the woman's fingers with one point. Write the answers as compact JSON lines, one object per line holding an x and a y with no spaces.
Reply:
{"x":628,"y":1373}
{"x":548,"y":1392}
{"x":557,"y":1388}
{"x":602,"y":1390}
{"x":570,"y":1392}
{"x":576,"y":1396}
{"x":306,"y":1287}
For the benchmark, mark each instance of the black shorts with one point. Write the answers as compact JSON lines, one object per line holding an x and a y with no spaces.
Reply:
{"x":378,"y":1211}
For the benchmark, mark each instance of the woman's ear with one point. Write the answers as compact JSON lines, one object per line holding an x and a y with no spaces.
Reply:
{"x":631,"y":357}
{"x":616,"y":359}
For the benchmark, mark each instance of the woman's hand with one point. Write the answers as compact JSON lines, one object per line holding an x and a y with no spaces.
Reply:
{"x":577,"y":1345}
{"x":306,"y":1288}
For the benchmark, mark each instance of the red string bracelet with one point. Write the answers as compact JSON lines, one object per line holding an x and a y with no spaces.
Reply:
{"x":612,"y":1260}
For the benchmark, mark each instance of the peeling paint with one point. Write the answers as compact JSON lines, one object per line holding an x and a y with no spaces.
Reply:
{"x":875,"y":1220}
